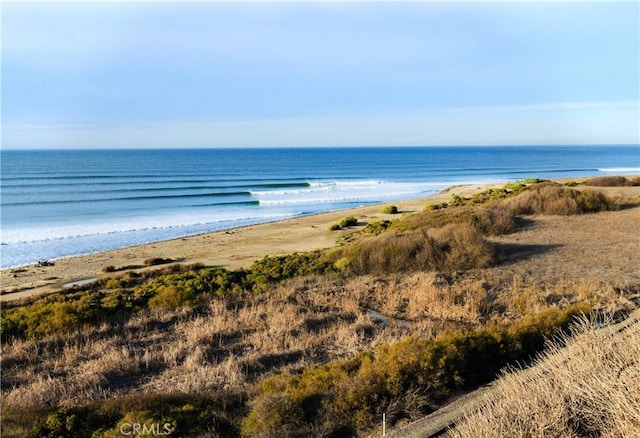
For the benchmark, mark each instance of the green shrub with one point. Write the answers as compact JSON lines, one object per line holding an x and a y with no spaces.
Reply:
{"x":517,"y":186}
{"x":212,"y":281}
{"x":173,"y":297}
{"x":377,"y":227}
{"x":456,"y":200}
{"x":349,"y":221}
{"x":389,"y":209}
{"x":334,"y":227}
{"x":437,"y":206}
{"x":63,"y":313}
{"x":53,"y":314}
{"x":63,"y":423}
{"x":273,"y":269}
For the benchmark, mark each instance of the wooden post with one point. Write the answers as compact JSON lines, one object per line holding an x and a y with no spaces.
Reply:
{"x":384,"y":424}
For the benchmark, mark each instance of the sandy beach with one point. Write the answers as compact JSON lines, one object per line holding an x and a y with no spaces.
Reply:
{"x":232,"y":249}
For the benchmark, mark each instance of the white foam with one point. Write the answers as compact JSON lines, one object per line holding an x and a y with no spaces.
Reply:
{"x":91,"y":239}
{"x":332,"y":192}
{"x":129,"y":225}
{"x":619,"y":169}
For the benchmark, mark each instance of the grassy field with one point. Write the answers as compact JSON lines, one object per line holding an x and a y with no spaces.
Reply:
{"x":400,"y":317}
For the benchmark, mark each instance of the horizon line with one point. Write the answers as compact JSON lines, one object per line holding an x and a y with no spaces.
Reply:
{"x":107,"y":148}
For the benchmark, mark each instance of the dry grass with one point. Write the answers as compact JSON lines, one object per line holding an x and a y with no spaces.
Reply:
{"x":224,"y":348}
{"x":231,"y":345}
{"x":612,"y":181}
{"x":552,"y":199}
{"x":455,"y":246}
{"x":588,"y":385}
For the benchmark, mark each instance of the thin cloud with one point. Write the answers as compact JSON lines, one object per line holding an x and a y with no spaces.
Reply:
{"x":555,"y":106}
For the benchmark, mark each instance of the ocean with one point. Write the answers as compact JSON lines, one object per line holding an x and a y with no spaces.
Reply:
{"x":67,"y":202}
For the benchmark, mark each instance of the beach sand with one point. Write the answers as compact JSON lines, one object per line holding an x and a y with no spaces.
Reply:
{"x":232,"y":249}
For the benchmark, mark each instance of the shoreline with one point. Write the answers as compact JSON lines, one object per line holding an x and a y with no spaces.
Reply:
{"x":231,"y":248}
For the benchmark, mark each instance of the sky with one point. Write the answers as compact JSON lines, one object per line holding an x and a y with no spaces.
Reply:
{"x":253,"y":74}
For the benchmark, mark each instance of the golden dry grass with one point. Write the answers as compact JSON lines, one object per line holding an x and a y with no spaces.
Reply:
{"x":586,"y":385}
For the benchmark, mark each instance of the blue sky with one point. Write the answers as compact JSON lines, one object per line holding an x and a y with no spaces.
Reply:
{"x":223,"y":74}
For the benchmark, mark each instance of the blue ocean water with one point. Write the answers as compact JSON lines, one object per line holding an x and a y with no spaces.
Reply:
{"x":61,"y":203}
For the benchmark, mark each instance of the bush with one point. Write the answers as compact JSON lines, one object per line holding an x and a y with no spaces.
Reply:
{"x":610,"y":181}
{"x":349,"y":221}
{"x":270,"y":270}
{"x":464,"y":248}
{"x":52,"y":315}
{"x":494,"y":219}
{"x":455,"y":247}
{"x":334,"y":227}
{"x":456,"y":200}
{"x":558,"y":200}
{"x":172,"y":298}
{"x":157,"y":261}
{"x":516,"y":186}
{"x":389,"y":209}
{"x":273,"y":415}
{"x":63,"y":423}
{"x":377,"y":227}
{"x":438,"y":206}
{"x":58,"y":313}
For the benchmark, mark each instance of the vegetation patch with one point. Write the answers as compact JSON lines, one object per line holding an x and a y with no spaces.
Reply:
{"x":377,"y":227}
{"x":176,"y":415}
{"x":558,"y":200}
{"x":349,"y":221}
{"x":389,"y":209}
{"x":173,"y":288}
{"x":405,"y":379}
{"x":450,"y":248}
{"x":157,"y":261}
{"x":612,"y":181}
{"x":494,"y":219}
{"x":270,"y":270}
